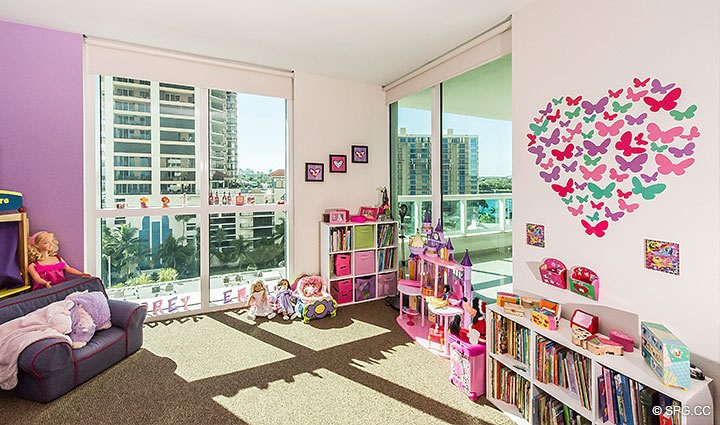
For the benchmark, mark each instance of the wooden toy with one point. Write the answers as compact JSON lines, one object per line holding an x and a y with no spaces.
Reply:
{"x":579,"y":335}
{"x":585,"y":282}
{"x":623,"y":339}
{"x":546,"y":315}
{"x":585,"y":321}
{"x":667,"y":356}
{"x":553,"y":272}
{"x":600,"y":344}
{"x":514,"y":309}
{"x":507,"y":297}
{"x":550,"y":305}
{"x":530,"y":302}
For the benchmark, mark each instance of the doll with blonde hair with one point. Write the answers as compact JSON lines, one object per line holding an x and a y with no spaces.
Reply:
{"x":46,"y":267}
{"x":259,"y":302}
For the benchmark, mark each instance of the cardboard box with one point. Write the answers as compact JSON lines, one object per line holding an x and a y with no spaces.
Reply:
{"x":666,"y":355}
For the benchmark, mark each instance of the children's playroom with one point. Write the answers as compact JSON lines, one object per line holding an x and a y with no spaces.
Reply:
{"x":360,"y":212}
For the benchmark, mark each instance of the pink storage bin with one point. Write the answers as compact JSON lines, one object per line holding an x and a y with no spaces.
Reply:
{"x":341,"y":296}
{"x":342,"y":264}
{"x":344,"y":285}
{"x":467,"y":366}
{"x":386,"y":284}
{"x":364,"y":262}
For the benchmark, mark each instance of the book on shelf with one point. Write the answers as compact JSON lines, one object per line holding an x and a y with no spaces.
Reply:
{"x":339,"y":239}
{"x":510,"y":338}
{"x":549,"y":411}
{"x":386,"y":235}
{"x":562,"y":367}
{"x":508,"y":386}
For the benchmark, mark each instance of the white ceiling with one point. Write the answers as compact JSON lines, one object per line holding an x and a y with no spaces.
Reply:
{"x":373,"y":41}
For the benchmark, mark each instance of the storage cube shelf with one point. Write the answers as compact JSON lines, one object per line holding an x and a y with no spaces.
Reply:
{"x":543,"y":353}
{"x":359,"y":260}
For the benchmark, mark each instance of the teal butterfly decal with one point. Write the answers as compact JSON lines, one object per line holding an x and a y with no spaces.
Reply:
{"x":594,"y":217}
{"x":557,"y":101}
{"x":573,"y":114}
{"x":590,"y":162}
{"x":621,"y":108}
{"x":582,"y":199}
{"x":588,"y":135}
{"x":567,"y":200}
{"x":689,"y":113}
{"x":539,"y":129}
{"x":599,"y":193}
{"x":648,"y":192}
{"x":657,"y":148}
{"x":591,"y":118}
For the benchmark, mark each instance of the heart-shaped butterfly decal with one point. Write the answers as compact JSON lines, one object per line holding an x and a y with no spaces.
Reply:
{"x":616,"y":152}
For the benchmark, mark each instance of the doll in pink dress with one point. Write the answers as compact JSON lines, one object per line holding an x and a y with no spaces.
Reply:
{"x":46,"y":267}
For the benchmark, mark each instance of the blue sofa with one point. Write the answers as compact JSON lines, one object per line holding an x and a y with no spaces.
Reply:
{"x":50,"y":368}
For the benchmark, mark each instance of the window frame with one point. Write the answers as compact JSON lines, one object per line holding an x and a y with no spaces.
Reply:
{"x":93,"y":213}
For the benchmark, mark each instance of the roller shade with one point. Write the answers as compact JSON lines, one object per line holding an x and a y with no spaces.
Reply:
{"x":104,"y":57}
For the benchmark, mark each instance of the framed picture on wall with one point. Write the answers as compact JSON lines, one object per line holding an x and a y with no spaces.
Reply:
{"x":314,"y":172}
{"x":338,"y":163}
{"x":360,"y":154}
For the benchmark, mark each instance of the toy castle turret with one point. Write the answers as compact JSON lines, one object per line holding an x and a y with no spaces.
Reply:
{"x":436,"y":241}
{"x":450,"y":250}
{"x":427,"y":225}
{"x":467,"y":285}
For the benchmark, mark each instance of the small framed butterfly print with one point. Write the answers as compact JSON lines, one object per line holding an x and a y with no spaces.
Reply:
{"x":314,"y":172}
{"x":338,"y":163}
{"x":360,"y":154}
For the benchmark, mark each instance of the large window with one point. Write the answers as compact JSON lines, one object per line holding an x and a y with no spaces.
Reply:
{"x":192,"y":203}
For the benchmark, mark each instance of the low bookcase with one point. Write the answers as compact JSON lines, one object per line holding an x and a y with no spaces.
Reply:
{"x":535,"y":375}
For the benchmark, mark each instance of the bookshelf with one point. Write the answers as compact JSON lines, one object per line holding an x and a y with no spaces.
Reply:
{"x":373,"y":251}
{"x":526,"y":361}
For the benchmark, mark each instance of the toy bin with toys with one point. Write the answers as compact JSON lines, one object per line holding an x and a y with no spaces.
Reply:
{"x":313,"y":302}
{"x":467,"y":365}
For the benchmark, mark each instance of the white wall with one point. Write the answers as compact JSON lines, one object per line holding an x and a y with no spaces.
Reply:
{"x":567,"y":47}
{"x":329,"y":116}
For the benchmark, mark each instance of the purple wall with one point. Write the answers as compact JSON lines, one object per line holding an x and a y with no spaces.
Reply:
{"x":41,"y":129}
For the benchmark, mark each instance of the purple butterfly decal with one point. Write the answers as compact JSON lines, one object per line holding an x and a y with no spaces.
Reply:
{"x":570,"y":168}
{"x":564,"y":123}
{"x":580,"y":186}
{"x":552,"y":175}
{"x":537,"y":150}
{"x":578,"y":151}
{"x":614,"y":216}
{"x":554,"y":138}
{"x":635,"y":165}
{"x":636,"y":120}
{"x":547,"y":109}
{"x":686,"y":151}
{"x":593,"y":149}
{"x":597,"y":108}
{"x":657,"y":87}
{"x":649,"y":178}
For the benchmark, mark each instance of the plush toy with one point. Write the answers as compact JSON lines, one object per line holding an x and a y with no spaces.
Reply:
{"x":284,"y":300}
{"x":90,"y":313}
{"x":259,"y":302}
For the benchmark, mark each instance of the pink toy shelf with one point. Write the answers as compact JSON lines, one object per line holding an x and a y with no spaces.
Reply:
{"x":553,"y":272}
{"x":467,"y":366}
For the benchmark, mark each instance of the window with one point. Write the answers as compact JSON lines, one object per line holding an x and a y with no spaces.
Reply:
{"x":150,"y":219}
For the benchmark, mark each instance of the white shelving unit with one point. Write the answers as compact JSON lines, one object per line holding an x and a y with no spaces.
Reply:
{"x":631,"y":365}
{"x":327,"y":254}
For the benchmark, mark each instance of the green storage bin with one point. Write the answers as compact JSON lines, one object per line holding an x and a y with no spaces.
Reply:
{"x":364,"y":237}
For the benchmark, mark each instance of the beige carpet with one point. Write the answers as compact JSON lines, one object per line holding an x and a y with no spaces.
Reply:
{"x":221,"y":368}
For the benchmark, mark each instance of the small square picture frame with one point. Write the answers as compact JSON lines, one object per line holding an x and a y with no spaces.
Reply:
{"x":360,"y":154}
{"x":314,"y":172}
{"x":370,"y":213}
{"x":337,"y":163}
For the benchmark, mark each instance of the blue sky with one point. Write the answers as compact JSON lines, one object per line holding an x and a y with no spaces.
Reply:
{"x":261,"y":132}
{"x":494,"y":141}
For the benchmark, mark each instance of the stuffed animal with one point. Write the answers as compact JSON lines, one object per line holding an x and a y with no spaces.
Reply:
{"x":90,"y":313}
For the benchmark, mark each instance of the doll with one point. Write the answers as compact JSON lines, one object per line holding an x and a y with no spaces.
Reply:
{"x":46,"y":266}
{"x":284,"y":300}
{"x":259,"y":302}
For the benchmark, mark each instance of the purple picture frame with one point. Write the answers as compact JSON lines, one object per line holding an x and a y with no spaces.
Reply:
{"x":314,"y":172}
{"x":360,"y":154}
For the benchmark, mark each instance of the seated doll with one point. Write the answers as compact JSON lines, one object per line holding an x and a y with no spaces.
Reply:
{"x":284,"y":300}
{"x":259,"y":302}
{"x":46,"y":267}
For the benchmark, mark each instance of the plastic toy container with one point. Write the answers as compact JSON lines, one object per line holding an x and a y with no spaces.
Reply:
{"x":467,"y":366}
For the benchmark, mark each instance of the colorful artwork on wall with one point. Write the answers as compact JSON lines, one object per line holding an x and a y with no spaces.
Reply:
{"x":662,"y":256}
{"x":314,"y":172}
{"x":338,"y":163}
{"x":606,"y":157}
{"x":360,"y":154}
{"x":535,"y":234}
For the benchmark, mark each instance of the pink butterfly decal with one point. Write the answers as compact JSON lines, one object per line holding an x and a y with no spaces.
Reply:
{"x":538,"y":120}
{"x":688,"y":150}
{"x":576,"y":211}
{"x":563,"y":190}
{"x":614,"y":175}
{"x":665,"y":166}
{"x":635,"y":97}
{"x":691,"y":135}
{"x":597,"y":230}
{"x":627,"y":207}
{"x":614,"y":216}
{"x":547,"y":165}
{"x":594,"y":174}
{"x":597,"y":205}
{"x":567,"y":139}
{"x":667,"y":136}
{"x":613,"y":130}
{"x":668,"y":103}
{"x":576,"y":130}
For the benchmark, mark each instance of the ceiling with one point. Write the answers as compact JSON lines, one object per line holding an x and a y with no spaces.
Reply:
{"x":375,"y":41}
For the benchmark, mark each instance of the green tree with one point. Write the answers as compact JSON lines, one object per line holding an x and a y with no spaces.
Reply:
{"x":122,"y":252}
{"x":176,"y":254}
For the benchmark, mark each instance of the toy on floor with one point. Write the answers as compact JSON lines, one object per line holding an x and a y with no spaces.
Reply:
{"x":46,"y":267}
{"x":259,"y":302}
{"x":284,"y":300}
{"x":476,"y":312}
{"x":314,"y":302}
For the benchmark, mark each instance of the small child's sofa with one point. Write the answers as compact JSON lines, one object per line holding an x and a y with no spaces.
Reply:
{"x":50,"y":368}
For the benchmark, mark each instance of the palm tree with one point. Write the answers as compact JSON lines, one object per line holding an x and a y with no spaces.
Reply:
{"x":123,"y":251}
{"x":176,"y":254}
